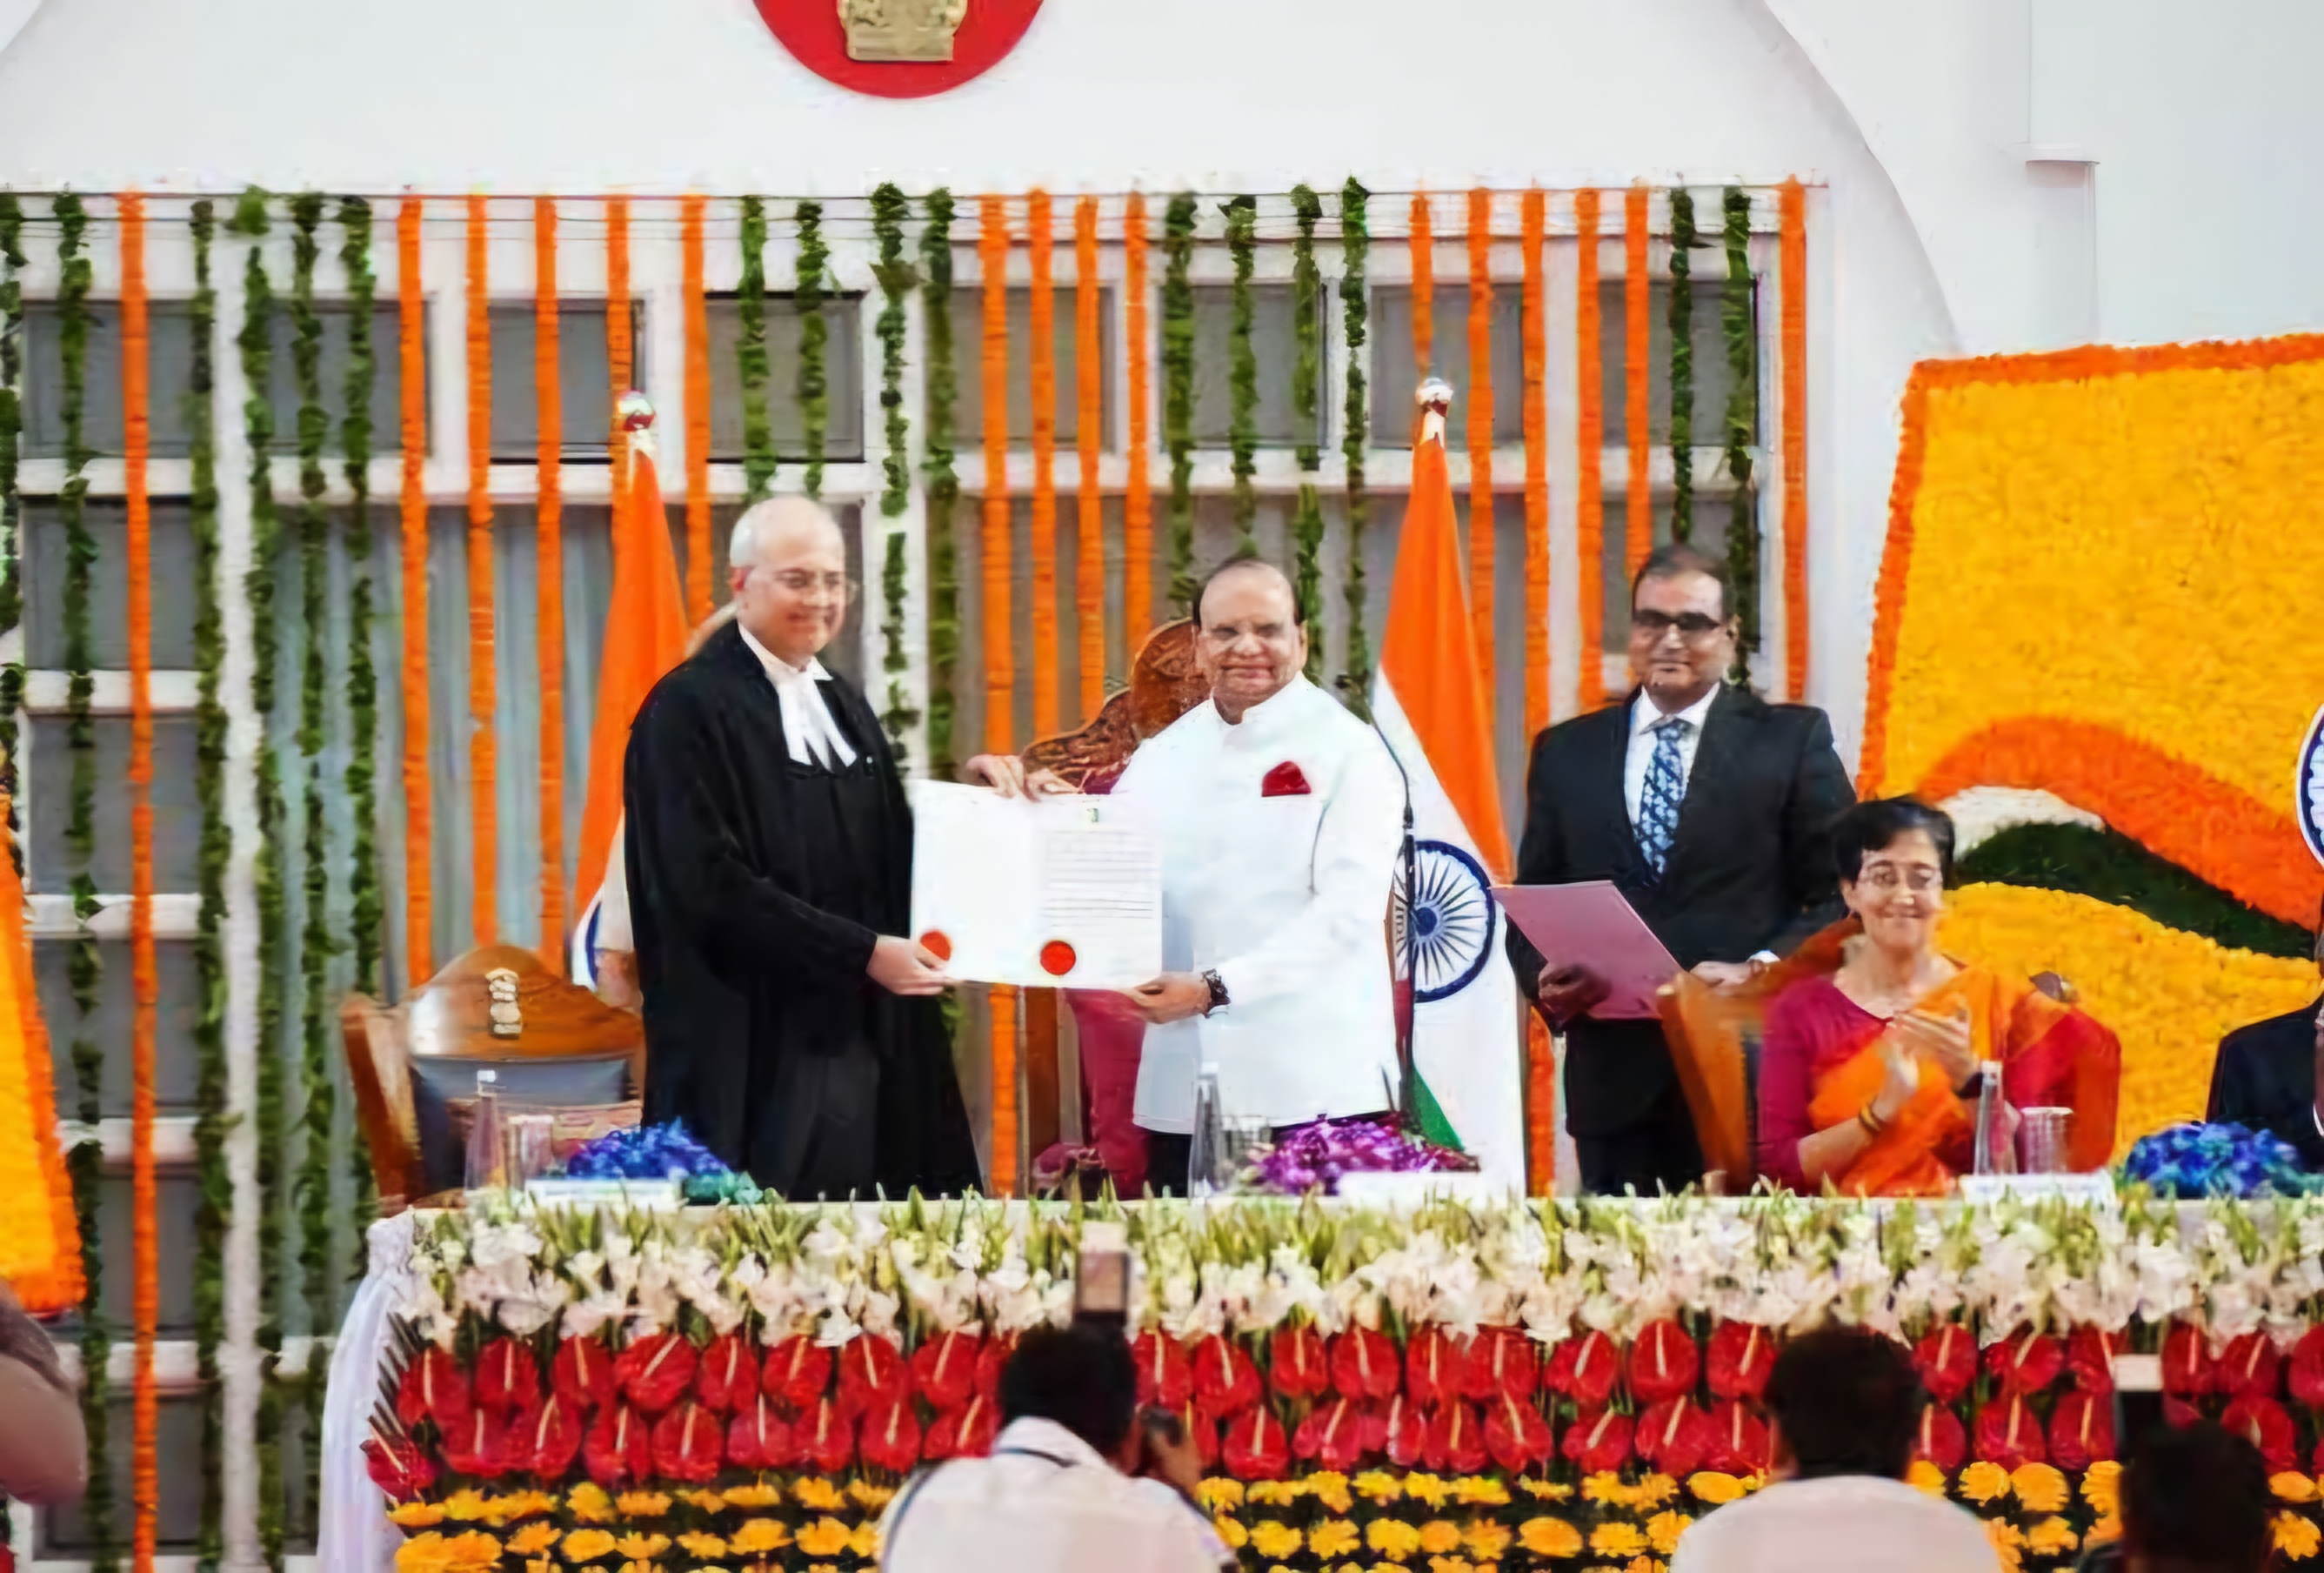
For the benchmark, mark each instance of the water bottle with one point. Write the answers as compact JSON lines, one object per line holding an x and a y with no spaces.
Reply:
{"x":1203,"y":1150}
{"x":1992,"y":1152}
{"x":487,"y":1167}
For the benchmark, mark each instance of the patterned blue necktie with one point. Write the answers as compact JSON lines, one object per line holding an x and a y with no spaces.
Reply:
{"x":1666,"y":787}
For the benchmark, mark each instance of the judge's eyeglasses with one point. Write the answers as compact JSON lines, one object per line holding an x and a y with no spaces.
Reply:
{"x":1689,"y":625}
{"x":803,"y":581}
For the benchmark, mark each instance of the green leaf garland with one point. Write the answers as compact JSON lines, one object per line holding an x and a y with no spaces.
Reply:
{"x":367,"y":905}
{"x":11,"y":505}
{"x":1242,"y":371}
{"x":814,"y":334}
{"x":896,"y":277}
{"x":1742,"y":424}
{"x":1306,"y":377}
{"x":1355,"y":307}
{"x":1682,"y":365}
{"x":1178,"y":393}
{"x":941,"y":398}
{"x":751,"y":364}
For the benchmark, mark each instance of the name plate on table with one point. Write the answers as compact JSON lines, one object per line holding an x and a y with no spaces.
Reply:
{"x":2095,"y":1188}
{"x":1398,"y":1192}
{"x":651,"y":1195}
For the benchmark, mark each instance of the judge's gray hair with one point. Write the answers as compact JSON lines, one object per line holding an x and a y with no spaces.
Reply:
{"x":764,"y":524}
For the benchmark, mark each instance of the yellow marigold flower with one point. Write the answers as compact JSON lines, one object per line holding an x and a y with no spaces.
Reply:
{"x":1644,"y":1565}
{"x":701,"y":1545}
{"x":817,"y":1495}
{"x":1606,"y":1487}
{"x":472,"y":1552}
{"x":1330,"y":1488}
{"x":865,"y":1541}
{"x":1219,"y":1494}
{"x":2008,"y":1541}
{"x":1617,"y":1539}
{"x":2102,"y":1486}
{"x":1549,"y":1537}
{"x":758,"y":1493}
{"x":2108,"y":1528}
{"x":1235,"y":1536}
{"x":704,"y":1501}
{"x":642,"y":1504}
{"x":1378,"y":1486}
{"x":1923,"y":1475}
{"x":642,"y":1548}
{"x":464,"y":1506}
{"x":758,"y":1535}
{"x":1546,"y":1490}
{"x":1438,"y":1537}
{"x":1392,"y":1538}
{"x":2040,"y":1487}
{"x":823,"y":1568}
{"x":1655,"y":1490}
{"x":416,"y":1515}
{"x":827,"y":1537}
{"x":1711,"y":1486}
{"x":1982,"y":1482}
{"x":1273,"y":1493}
{"x":2296,"y":1536}
{"x":533,"y":1541}
{"x":586,"y":1545}
{"x":588,"y":1503}
{"x":1428,"y":1488}
{"x":1274,"y":1540}
{"x":523,"y":1505}
{"x":2293,"y":1486}
{"x":1480,"y":1491}
{"x":870,"y":1495}
{"x":1449,"y":1565}
{"x":1664,"y":1528}
{"x":1487,"y":1539}
{"x":1333,"y":1538}
{"x":2052,"y":1537}
{"x":422,"y":1553}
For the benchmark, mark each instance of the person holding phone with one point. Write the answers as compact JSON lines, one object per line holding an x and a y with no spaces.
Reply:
{"x":1869,"y":1076}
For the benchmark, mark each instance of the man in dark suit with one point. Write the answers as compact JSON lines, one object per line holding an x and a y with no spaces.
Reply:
{"x":2270,"y":1076}
{"x":1709,"y":809}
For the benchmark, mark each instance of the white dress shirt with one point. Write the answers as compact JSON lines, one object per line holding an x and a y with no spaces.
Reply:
{"x":814,"y":737}
{"x":1843,"y":1523}
{"x":1045,"y":1501}
{"x":1286,"y":897}
{"x":1645,"y":717}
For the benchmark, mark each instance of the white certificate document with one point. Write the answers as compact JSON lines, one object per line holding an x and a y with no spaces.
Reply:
{"x":1043,"y":892}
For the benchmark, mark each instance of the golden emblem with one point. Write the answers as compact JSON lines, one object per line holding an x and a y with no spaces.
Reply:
{"x":507,"y":1017}
{"x":901,"y":30}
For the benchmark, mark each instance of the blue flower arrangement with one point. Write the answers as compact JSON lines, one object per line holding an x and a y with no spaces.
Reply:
{"x":662,"y":1151}
{"x":2226,"y":1161}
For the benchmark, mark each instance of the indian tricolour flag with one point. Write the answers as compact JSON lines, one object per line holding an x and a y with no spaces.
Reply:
{"x":1429,"y":699}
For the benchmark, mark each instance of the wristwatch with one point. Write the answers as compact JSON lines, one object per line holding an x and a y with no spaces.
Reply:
{"x":1218,"y":987}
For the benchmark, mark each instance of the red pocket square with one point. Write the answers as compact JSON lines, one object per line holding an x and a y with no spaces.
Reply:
{"x":1285,"y":782}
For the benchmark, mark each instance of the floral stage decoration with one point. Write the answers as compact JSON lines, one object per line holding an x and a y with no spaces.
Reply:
{"x":1455,"y":1389}
{"x":39,"y":1240}
{"x":2222,"y":1160}
{"x":1313,"y":1157}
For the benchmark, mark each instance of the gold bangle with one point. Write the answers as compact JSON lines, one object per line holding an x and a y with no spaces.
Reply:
{"x":1873,"y":1123}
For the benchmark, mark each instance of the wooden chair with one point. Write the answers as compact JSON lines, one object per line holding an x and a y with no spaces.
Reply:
{"x":495,"y":1003}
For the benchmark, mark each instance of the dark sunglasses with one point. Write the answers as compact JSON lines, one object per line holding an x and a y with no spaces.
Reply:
{"x":1692,"y":625}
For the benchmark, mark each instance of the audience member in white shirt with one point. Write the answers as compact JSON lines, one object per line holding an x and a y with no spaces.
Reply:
{"x":1073,"y":1482}
{"x":1846,"y":1403}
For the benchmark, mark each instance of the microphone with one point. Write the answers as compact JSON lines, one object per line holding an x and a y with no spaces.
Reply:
{"x":1409,"y":1015}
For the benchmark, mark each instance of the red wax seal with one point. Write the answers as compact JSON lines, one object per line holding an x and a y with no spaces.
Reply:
{"x":937,"y":943}
{"x":884,"y":50}
{"x":1057,"y":958}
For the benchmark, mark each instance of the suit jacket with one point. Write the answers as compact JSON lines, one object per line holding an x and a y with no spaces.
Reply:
{"x":2265,"y":1077}
{"x":1749,"y":868}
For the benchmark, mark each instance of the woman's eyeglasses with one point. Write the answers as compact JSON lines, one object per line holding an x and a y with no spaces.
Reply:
{"x":1889,"y":876}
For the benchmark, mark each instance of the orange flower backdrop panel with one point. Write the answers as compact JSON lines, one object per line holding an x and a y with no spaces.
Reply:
{"x":39,"y":1240}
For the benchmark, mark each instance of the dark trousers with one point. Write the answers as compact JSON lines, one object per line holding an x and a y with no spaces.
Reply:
{"x":1168,"y":1156}
{"x":1656,"y":1149}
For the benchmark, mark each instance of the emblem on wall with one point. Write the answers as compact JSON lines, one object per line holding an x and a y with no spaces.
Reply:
{"x":2308,"y":788}
{"x":898,"y":49}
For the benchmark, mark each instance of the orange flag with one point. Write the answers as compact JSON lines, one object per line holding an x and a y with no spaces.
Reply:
{"x":645,"y":636}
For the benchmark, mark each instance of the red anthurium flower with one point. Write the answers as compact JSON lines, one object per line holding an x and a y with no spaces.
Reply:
{"x":1597,"y":1441}
{"x":1515,"y":1433}
{"x":2248,"y":1364}
{"x":1456,"y":1441}
{"x":989,"y":1362}
{"x":1947,"y":1360}
{"x":2179,"y":1415}
{"x":826,"y":1440}
{"x":433,"y":1387}
{"x":2009,"y":1433}
{"x":945,"y":1368}
{"x":398,"y":1467}
{"x":1332,"y":1436}
{"x":547,"y":1440}
{"x":477,"y":1446}
{"x":1738,"y":1439}
{"x":2307,"y":1376}
{"x":508,"y":1378}
{"x":728,"y":1376}
{"x":2081,"y":1429}
{"x":2025,"y":1362}
{"x":1296,"y":1365}
{"x":759,"y":1438}
{"x":2269,"y":1428}
{"x":1741,"y":1356}
{"x":1941,"y":1440}
{"x":1404,"y":1432}
{"x":797,"y":1373}
{"x":1203,"y":1432}
{"x":1255,"y":1448}
{"x":619,"y":1448}
{"x":966,"y":1433}
{"x":583,"y":1372}
{"x":2187,"y":1367}
{"x":890,"y":1437}
{"x":1664,"y":1362}
{"x":2089,"y":1358}
{"x":1225,"y":1381}
{"x":871,"y":1370}
{"x":1364,"y":1364}
{"x":1166,"y":1376}
{"x":690,"y":1443}
{"x":1675,"y":1437}
{"x":1501,"y":1361}
{"x":1432,"y":1368}
{"x":655,"y":1369}
{"x":1583,"y":1369}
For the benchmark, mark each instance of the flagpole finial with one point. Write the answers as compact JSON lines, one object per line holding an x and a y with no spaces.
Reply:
{"x":634,"y":410}
{"x":1434,"y":394}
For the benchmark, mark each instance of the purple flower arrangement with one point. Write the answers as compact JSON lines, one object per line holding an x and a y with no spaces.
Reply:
{"x":1313,"y":1156}
{"x":663,"y":1151}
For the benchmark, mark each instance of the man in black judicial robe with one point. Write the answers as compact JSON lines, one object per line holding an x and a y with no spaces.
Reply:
{"x":769,"y":867}
{"x":2270,"y":1076}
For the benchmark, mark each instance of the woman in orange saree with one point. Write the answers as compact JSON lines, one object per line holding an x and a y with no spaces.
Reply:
{"x":1870,"y":1072}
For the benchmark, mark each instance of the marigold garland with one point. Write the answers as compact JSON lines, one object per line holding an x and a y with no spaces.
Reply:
{"x":1481,"y":434}
{"x":1792,"y":285}
{"x":1422,"y":244}
{"x":1089,"y":565}
{"x":1532,"y":220}
{"x":419,"y":802}
{"x":1590,"y":438}
{"x":1306,"y":387}
{"x":696,"y":308}
{"x":1637,"y":287}
{"x":1138,"y":496}
{"x":1178,"y":393}
{"x":1355,"y":309}
{"x":751,"y":366}
{"x":814,"y":334}
{"x":548,"y":564}
{"x":1041,"y":350}
{"x":484,"y":785}
{"x":1681,"y":364}
{"x":1243,"y":369}
{"x":940,"y":401}
{"x":11,"y":505}
{"x":620,"y":362}
{"x":888,"y":210}
{"x":1000,"y":671}
{"x":1739,"y":325}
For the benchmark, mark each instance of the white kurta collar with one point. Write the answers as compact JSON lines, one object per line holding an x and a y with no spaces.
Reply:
{"x":812,"y":736}
{"x":1268,"y":720}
